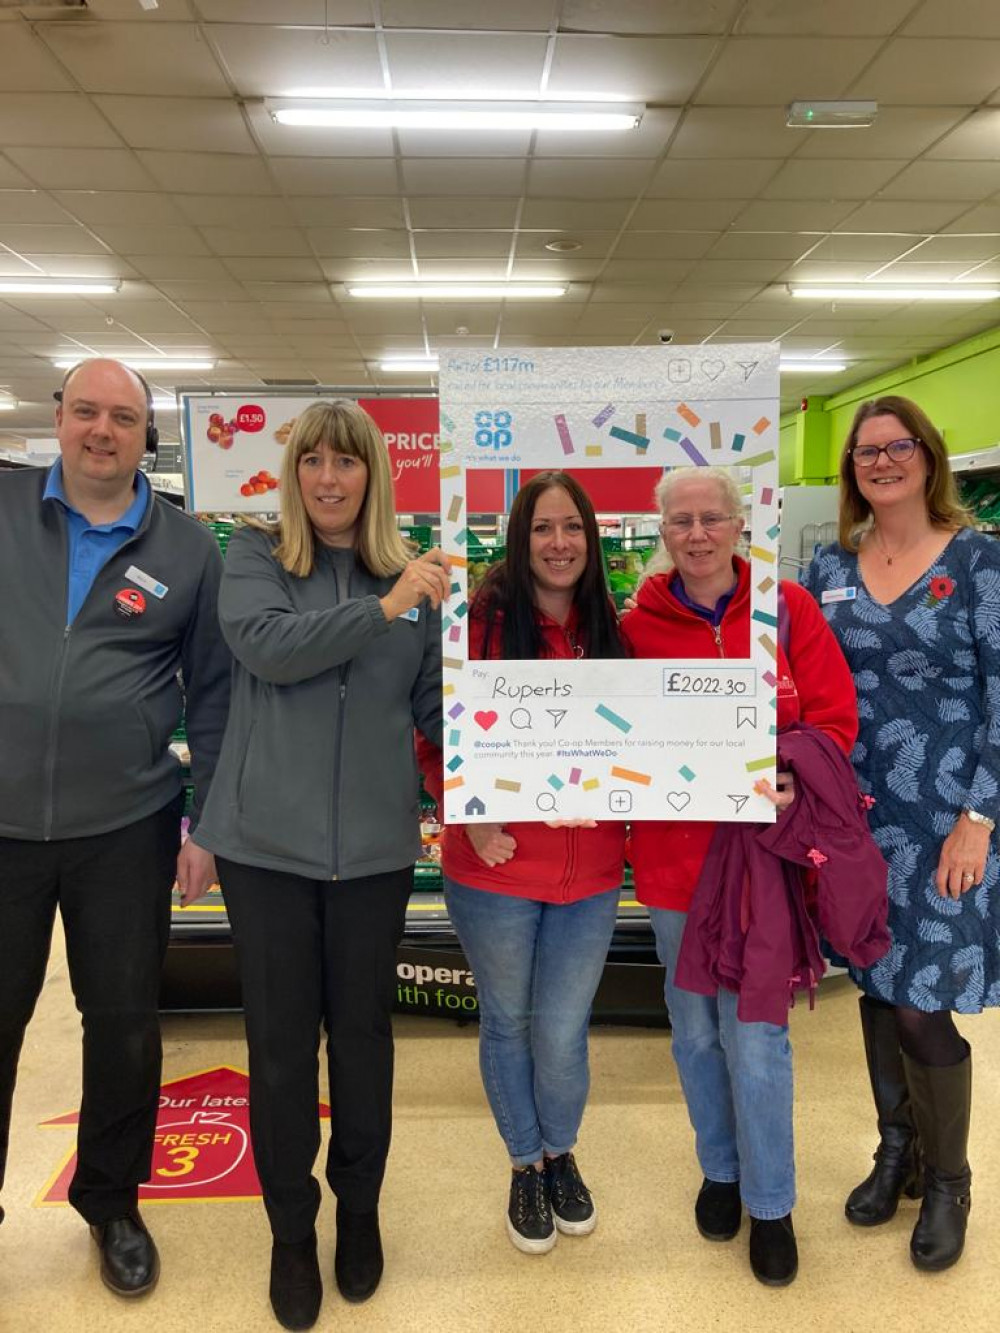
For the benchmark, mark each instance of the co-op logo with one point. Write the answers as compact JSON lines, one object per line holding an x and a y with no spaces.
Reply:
{"x":493,"y":430}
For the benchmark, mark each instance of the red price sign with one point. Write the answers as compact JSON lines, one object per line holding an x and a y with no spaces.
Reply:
{"x":250,"y":418}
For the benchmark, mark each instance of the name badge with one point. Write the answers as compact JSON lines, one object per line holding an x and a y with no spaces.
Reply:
{"x":838,"y":595}
{"x":413,"y":614}
{"x":147,"y":581}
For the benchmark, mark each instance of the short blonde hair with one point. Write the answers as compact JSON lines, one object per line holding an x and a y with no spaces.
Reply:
{"x":659,"y":562}
{"x":944,"y":509}
{"x":345,"y":428}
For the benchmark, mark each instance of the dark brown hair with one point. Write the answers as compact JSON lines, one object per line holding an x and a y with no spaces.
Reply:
{"x":508,"y":590}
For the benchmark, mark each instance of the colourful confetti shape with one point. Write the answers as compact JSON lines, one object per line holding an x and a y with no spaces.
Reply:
{"x":765,"y":618}
{"x":630,"y":437}
{"x":453,"y":663}
{"x":766,"y":495}
{"x":455,"y":509}
{"x":555,"y":782}
{"x":461,"y":610}
{"x":686,"y":773}
{"x":771,"y":679}
{"x":461,"y":537}
{"x":455,"y":633}
{"x":603,"y":711}
{"x":673,"y":435}
{"x":455,"y":736}
{"x":574,"y":776}
{"x":773,"y":532}
{"x":631,"y":775}
{"x":755,"y":765}
{"x":456,"y":711}
{"x":452,"y":470}
{"x":695,"y":456}
{"x":605,"y":414}
{"x":692,"y":418}
{"x":765,"y":585}
{"x":450,"y":784}
{"x":738,"y":442}
{"x":447,"y":422}
{"x":505,"y":784}
{"x":769,"y":646}
{"x":715,"y":434}
{"x":761,"y":426}
{"x":594,"y":450}
{"x":565,"y":438}
{"x":458,"y":559}
{"x":447,"y":689}
{"x":755,"y":460}
{"x":455,"y":763}
{"x":591,"y":784}
{"x":762,"y":553}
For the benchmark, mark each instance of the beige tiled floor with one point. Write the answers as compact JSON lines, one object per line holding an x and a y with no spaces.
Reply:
{"x":449,"y":1266}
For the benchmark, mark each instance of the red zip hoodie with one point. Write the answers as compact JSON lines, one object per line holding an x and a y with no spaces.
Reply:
{"x":814,"y":685}
{"x":552,"y":865}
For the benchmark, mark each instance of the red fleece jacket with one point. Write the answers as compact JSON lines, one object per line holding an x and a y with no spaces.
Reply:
{"x":814,"y":685}
{"x":553,"y":865}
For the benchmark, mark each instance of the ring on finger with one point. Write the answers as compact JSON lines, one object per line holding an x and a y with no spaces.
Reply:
{"x":968,"y":876}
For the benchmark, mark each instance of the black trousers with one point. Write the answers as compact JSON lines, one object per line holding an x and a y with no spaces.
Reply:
{"x":312,"y":953}
{"x":113,"y":892}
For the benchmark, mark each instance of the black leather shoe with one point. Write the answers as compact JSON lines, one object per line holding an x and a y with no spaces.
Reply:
{"x":296,"y":1285}
{"x":130,"y":1264}
{"x":718,"y":1210}
{"x":357,"y":1263}
{"x":774,"y":1256}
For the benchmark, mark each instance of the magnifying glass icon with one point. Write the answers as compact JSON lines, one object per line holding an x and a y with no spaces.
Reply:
{"x":546,"y":802}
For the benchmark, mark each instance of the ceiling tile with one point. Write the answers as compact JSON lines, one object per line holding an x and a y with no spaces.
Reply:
{"x":264,"y":242}
{"x":767,"y":215}
{"x":187,"y":268}
{"x":11,"y":178}
{"x":597,"y":178}
{"x":955,"y":18}
{"x":351,"y":212}
{"x":727,"y":132}
{"x":170,"y":58}
{"x":465,"y":64}
{"x":967,"y":248}
{"x":813,"y":179}
{"x":97,"y":265}
{"x":25,"y":64}
{"x":279,"y":61}
{"x":685,"y":214}
{"x":892,"y":216}
{"x":977,"y":138}
{"x":557,"y":268}
{"x":772,"y":71}
{"x":286,"y":11}
{"x":40,"y":240}
{"x":359,"y":269}
{"x":898,"y":132}
{"x":984,"y":218}
{"x":96,"y":207}
{"x":220,"y":210}
{"x":764,"y":245}
{"x":61,"y":120}
{"x":867,"y":248}
{"x":29,"y":206}
{"x":347,"y":176}
{"x":207,"y":173}
{"x":816,"y":269}
{"x":648,"y":16}
{"x":646,"y":69}
{"x":461,"y":143}
{"x":665,"y":244}
{"x":942,"y":181}
{"x":175,"y":124}
{"x":819,"y":18}
{"x":339,"y":243}
{"x":524,"y":15}
{"x":728,"y":178}
{"x":459,"y":245}
{"x":574,"y":214}
{"x":275,"y":270}
{"x":657,"y":272}
{"x":593,"y":244}
{"x":205,"y":289}
{"x":439,"y":176}
{"x":140,"y":239}
{"x":911,"y":271}
{"x":950,"y":72}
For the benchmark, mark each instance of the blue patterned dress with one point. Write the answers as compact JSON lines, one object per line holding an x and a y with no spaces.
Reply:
{"x":927,"y":672}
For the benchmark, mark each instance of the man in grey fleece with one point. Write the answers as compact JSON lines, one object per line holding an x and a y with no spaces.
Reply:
{"x":108,"y":629}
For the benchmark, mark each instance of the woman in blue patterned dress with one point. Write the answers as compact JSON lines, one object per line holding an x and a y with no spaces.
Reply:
{"x":912,"y":593}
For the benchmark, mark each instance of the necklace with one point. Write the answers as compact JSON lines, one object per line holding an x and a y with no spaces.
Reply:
{"x":876,"y":534}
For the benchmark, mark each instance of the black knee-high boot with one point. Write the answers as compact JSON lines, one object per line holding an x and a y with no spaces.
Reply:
{"x":942,"y":1102}
{"x":897,"y":1168}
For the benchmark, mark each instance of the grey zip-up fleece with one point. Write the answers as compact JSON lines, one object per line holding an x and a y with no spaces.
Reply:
{"x":318,"y":774}
{"x":87,"y":711}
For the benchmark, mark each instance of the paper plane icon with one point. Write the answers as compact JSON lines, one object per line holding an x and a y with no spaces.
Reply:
{"x":557,"y":715}
{"x":739,"y":802}
{"x":748,"y":368}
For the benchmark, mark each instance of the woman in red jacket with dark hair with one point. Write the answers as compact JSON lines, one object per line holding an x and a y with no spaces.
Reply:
{"x":534,"y":904}
{"x":736,"y":1076}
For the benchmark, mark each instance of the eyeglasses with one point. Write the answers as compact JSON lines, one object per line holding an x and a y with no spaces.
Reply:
{"x":897,"y":451}
{"x":685,"y":522}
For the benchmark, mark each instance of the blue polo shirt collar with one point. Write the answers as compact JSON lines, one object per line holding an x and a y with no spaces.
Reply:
{"x":129,"y":521}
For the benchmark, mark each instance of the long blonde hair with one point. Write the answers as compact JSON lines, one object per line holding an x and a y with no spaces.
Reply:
{"x":345,"y":428}
{"x":944,"y":509}
{"x":659,"y":562}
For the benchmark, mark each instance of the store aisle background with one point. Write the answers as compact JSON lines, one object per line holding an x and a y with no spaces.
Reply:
{"x":449,"y":1265}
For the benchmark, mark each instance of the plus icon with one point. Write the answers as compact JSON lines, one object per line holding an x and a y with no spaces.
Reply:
{"x":620,"y":801}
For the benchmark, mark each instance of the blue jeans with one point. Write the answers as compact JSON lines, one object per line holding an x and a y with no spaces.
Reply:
{"x":537,"y":966}
{"x":737,"y":1081}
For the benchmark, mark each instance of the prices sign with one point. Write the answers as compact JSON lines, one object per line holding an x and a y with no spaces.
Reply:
{"x":202,"y":1146}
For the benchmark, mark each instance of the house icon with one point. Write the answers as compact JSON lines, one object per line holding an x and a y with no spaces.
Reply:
{"x":475,"y":807}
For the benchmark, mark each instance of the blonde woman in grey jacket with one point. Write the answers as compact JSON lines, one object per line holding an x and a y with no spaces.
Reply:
{"x":313,"y":817}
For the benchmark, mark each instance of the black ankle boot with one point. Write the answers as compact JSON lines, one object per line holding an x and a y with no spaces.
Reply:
{"x":296,"y":1284}
{"x":898,"y":1168}
{"x":774,"y":1255}
{"x":942,"y":1101}
{"x":357,"y":1263}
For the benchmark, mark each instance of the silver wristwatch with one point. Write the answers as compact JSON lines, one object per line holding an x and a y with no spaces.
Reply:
{"x":976,"y":818}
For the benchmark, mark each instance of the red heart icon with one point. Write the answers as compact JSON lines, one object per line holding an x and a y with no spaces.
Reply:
{"x":485,"y":720}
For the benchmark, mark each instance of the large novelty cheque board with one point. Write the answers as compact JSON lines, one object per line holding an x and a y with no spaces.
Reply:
{"x":618,"y":739}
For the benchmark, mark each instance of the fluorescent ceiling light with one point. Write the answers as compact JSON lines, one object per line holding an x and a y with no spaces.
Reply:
{"x":60,"y":286}
{"x":7,"y":404}
{"x":161,"y":404}
{"x":831,"y":115}
{"x":885,"y":291}
{"x":811,"y":367}
{"x":455,"y":291}
{"x":425,"y":114}
{"x":409,"y":365}
{"x":139,"y":363}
